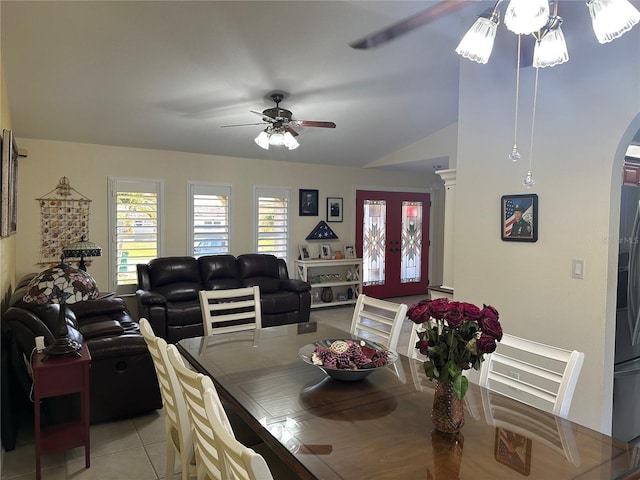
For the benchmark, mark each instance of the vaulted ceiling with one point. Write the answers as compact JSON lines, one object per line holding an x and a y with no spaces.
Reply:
{"x":168,"y":75}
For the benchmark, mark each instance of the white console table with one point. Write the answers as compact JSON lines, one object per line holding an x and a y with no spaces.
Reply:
{"x":338,"y":275}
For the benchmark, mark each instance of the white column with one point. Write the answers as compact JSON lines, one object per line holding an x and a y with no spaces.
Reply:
{"x":449,"y":178}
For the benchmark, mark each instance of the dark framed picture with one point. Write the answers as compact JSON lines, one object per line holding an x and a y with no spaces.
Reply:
{"x":308,"y":203}
{"x":9,"y":182}
{"x":513,"y":450}
{"x":334,"y":209}
{"x":519,"y":218}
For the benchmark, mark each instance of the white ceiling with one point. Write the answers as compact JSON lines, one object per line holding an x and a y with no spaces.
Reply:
{"x":167,"y":75}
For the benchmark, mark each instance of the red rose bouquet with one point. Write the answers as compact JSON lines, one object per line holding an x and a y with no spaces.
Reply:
{"x":455,"y":336}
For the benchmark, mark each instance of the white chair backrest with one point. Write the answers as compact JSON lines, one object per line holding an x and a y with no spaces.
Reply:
{"x":378,"y":320}
{"x":233,"y":310}
{"x":178,"y":426}
{"x":209,"y":459}
{"x":533,"y":373}
{"x":241,"y":462}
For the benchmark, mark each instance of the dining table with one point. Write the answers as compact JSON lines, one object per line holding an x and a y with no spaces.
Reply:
{"x":380,"y":427}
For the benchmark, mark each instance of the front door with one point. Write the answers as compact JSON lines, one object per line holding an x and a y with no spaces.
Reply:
{"x":392,"y":238}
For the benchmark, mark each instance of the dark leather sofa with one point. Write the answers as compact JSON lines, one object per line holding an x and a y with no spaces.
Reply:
{"x":123,"y":381}
{"x":168,"y":290}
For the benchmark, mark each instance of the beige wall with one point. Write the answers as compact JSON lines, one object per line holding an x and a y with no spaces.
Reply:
{"x":8,"y":244}
{"x":587,"y":113}
{"x":88,"y":167}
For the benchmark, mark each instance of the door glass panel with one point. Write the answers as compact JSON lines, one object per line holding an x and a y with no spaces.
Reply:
{"x":411,"y":243}
{"x":374,"y":241}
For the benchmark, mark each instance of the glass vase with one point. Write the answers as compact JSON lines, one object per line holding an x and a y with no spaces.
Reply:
{"x":447,"y":414}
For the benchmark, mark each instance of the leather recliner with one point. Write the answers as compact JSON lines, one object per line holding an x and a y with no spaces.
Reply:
{"x":168,"y":290}
{"x":122,"y":378}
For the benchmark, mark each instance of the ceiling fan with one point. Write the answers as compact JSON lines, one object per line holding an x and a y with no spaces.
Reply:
{"x":281,"y":120}
{"x":409,"y":24}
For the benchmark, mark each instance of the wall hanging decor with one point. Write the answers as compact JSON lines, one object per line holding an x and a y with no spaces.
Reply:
{"x":334,"y":209}
{"x":519,"y":218}
{"x":9,"y":181}
{"x":63,"y":220}
{"x":308,"y":203}
{"x":322,"y":231}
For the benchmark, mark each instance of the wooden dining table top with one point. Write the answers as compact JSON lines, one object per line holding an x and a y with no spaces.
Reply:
{"x":380,"y":427}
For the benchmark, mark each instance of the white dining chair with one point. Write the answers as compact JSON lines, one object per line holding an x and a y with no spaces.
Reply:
{"x":241,"y":462}
{"x":177,"y":424}
{"x":209,"y":459}
{"x":378,"y":320}
{"x":533,"y":373}
{"x":230,"y":310}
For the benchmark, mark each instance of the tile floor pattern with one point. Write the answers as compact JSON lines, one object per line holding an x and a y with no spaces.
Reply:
{"x":133,"y":449}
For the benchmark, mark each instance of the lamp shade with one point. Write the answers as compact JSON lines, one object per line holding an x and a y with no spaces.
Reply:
{"x":82,"y":248}
{"x":61,"y":284}
{"x":551,"y":50}
{"x":262,"y":140}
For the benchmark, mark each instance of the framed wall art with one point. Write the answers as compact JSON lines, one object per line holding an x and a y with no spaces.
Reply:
{"x":334,"y":209}
{"x":308,"y":203}
{"x":519,"y":218}
{"x":9,"y":184}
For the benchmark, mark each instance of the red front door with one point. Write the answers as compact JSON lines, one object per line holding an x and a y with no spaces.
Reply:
{"x":392,"y":238}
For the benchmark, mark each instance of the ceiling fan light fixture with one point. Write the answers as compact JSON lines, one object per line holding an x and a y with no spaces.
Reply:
{"x":276,"y":138}
{"x":524,"y":17}
{"x":262,"y":140}
{"x":612,"y":18}
{"x":477,"y":43}
{"x":551,"y":50}
{"x":290,"y":142}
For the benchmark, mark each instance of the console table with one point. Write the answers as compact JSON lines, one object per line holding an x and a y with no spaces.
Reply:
{"x":333,"y":274}
{"x":61,"y":376}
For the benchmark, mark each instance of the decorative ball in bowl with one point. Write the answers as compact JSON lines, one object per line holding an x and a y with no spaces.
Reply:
{"x":348,"y":360}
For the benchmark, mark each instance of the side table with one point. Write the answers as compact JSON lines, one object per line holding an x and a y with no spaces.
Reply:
{"x":60,"y":376}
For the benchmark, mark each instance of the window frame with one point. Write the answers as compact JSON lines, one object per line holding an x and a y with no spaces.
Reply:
{"x":204,"y":188}
{"x":121,"y":184}
{"x":264,"y":191}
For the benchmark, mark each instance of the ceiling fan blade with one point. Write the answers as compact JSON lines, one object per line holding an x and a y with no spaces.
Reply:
{"x":409,"y":24}
{"x":244,"y":124}
{"x":266,"y":117}
{"x":312,"y":123}
{"x":291,"y":131}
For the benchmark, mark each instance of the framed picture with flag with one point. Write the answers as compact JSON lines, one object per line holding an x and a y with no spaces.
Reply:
{"x":519,"y":218}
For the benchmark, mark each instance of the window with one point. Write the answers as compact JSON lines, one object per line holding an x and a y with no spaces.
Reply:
{"x":272,"y":208}
{"x":135,"y":213}
{"x":209,"y":219}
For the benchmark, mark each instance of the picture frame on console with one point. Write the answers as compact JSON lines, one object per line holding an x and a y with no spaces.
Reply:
{"x":304,"y":252}
{"x":8,"y":184}
{"x":519,"y":218}
{"x":325,"y":251}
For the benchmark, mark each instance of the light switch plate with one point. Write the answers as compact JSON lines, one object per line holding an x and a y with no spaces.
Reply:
{"x":577,"y":269}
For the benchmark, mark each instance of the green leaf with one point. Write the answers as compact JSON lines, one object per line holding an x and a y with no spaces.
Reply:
{"x":460,"y":386}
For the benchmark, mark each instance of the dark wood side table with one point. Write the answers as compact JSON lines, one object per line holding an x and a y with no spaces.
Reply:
{"x":60,"y":376}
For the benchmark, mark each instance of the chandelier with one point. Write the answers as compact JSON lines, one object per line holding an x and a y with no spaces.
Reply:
{"x":278,"y":136}
{"x":539,"y":18}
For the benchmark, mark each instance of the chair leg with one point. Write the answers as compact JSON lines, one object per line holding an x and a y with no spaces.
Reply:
{"x":171,"y":453}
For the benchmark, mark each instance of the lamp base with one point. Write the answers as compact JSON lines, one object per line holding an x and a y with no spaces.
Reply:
{"x":62,"y":347}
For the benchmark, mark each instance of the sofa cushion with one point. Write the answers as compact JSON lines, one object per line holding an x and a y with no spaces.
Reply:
{"x":171,"y":270}
{"x":258,"y":265}
{"x":180,"y":292}
{"x":266,"y":284}
{"x":184,"y":313}
{"x":218,"y":272}
{"x":279,"y":302}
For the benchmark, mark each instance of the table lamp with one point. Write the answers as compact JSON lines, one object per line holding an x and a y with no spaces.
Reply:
{"x":82,"y":248}
{"x":63,"y":285}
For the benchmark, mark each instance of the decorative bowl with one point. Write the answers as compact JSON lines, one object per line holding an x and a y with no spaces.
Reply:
{"x":345,"y":374}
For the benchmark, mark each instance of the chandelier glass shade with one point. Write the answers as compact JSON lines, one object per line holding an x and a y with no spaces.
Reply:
{"x":477,"y":43}
{"x":612,"y":18}
{"x":277,"y":136}
{"x":524,"y":17}
{"x":551,"y":50}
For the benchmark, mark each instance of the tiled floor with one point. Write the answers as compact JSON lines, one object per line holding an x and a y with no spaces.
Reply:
{"x":132,"y":449}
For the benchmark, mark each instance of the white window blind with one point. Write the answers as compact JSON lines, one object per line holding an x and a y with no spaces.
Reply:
{"x":209,"y":219}
{"x":272,"y":221}
{"x":135,"y":226}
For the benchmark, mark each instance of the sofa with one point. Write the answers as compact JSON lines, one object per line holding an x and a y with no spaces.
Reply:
{"x":168,"y":290}
{"x":122,"y":378}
